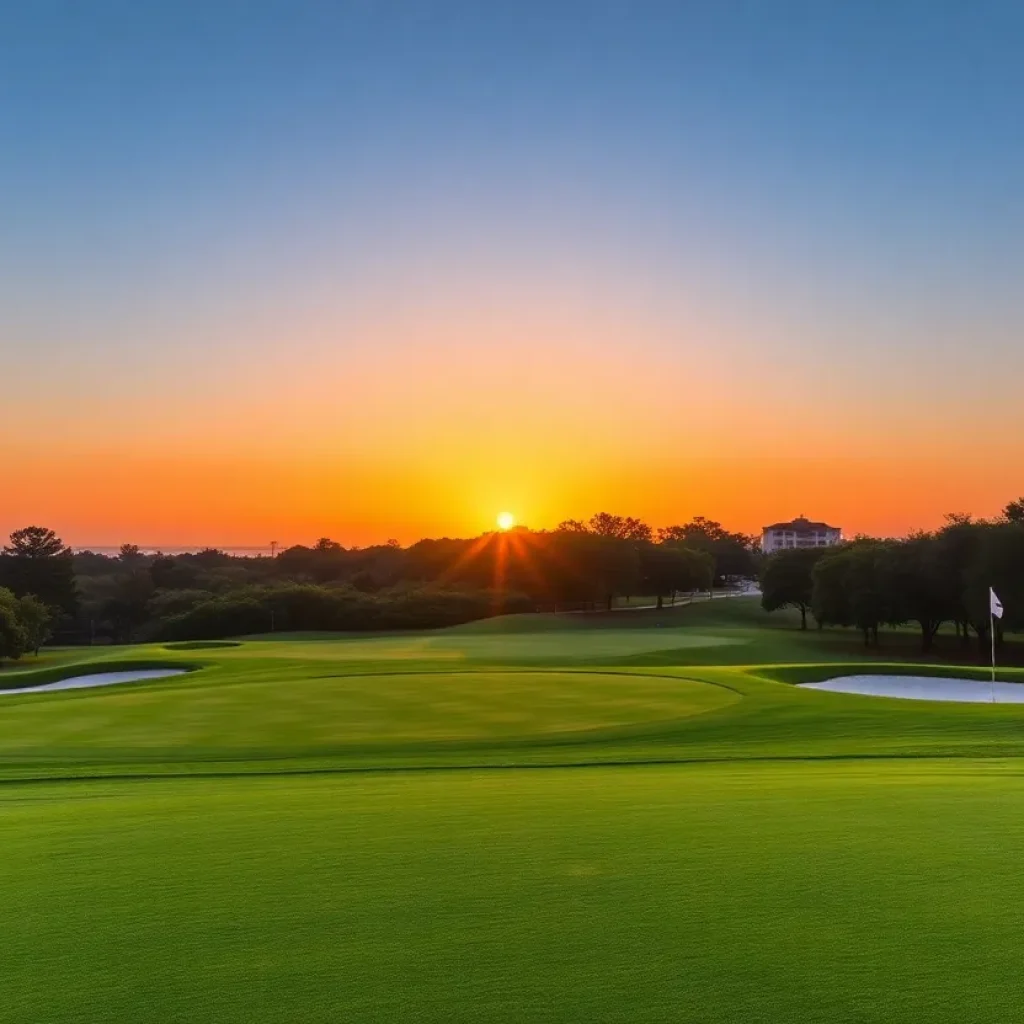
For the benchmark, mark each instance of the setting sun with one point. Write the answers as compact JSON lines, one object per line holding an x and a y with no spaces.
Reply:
{"x":506,"y":521}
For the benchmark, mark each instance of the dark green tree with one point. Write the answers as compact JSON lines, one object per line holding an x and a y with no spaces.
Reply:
{"x":130,"y":556}
{"x":733,"y":552}
{"x":915,"y":591}
{"x":955,"y":552}
{"x":669,"y":568}
{"x":210,"y":558}
{"x":170,"y":573}
{"x":327,"y":561}
{"x":998,"y":563}
{"x":786,"y":580}
{"x":849,"y":589}
{"x":613,"y":567}
{"x":867,"y":593}
{"x":38,"y":562}
{"x":13,"y":642}
{"x":36,"y":622}
{"x":830,"y":591}
{"x":127,"y":606}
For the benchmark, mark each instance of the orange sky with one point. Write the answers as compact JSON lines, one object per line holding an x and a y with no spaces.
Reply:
{"x":161,"y":500}
{"x":431,"y":421}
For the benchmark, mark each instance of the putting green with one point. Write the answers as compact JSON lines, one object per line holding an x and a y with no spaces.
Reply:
{"x":203,"y":715}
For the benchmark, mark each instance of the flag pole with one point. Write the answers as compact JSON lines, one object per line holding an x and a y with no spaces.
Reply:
{"x":995,"y":611}
{"x":992,"y":636}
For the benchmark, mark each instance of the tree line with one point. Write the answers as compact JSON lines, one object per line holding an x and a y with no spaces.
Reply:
{"x":928,"y":580}
{"x":134,"y":596}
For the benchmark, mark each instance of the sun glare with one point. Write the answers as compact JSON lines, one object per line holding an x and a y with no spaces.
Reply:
{"x":506,"y":521}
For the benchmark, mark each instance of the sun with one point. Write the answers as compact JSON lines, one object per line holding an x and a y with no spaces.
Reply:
{"x":506,"y":520}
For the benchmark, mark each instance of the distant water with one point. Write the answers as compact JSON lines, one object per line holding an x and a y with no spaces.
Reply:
{"x":170,"y":549}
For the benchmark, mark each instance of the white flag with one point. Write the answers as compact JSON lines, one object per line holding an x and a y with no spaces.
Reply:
{"x":995,"y":606}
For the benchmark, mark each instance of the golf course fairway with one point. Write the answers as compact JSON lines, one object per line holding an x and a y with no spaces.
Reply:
{"x":640,"y":818}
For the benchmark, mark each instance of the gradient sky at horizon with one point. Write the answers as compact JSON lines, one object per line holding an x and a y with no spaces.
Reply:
{"x":384,"y":269}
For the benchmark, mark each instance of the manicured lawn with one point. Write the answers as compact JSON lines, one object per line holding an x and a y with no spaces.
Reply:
{"x":699,"y":683}
{"x":351,"y":718}
{"x":625,"y":817}
{"x":858,"y":891}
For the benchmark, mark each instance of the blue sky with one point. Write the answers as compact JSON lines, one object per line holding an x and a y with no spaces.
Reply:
{"x":849,"y":146}
{"x":822,"y":200}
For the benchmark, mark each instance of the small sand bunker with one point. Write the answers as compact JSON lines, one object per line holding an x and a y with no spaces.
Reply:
{"x":971,"y":691}
{"x":99,"y":679}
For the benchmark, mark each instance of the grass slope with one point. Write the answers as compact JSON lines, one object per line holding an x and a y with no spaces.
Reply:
{"x":696,"y":839}
{"x":636,"y":686}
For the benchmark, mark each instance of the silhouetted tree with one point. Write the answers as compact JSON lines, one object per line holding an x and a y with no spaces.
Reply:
{"x":127,"y":606}
{"x":604,"y":524}
{"x":733,"y":552}
{"x":786,"y":580}
{"x":210,"y":558}
{"x":130,"y":556}
{"x":668,"y":568}
{"x":1014,"y":511}
{"x":571,"y":526}
{"x":911,"y":578}
{"x":38,"y":562}
{"x":830,"y":588}
{"x":869,"y":598}
{"x":998,"y":562}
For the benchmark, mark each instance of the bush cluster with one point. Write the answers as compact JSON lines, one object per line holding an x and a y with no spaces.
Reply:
{"x":294,"y":607}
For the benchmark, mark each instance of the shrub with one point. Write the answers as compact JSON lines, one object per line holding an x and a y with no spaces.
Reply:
{"x":299,"y":607}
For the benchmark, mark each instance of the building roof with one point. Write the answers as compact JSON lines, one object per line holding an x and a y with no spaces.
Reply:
{"x":800,"y":523}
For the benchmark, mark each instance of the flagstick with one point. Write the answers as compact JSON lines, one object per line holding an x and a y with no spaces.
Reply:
{"x":992,"y":634}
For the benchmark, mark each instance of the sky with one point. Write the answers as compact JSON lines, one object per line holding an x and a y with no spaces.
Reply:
{"x":372,"y":269}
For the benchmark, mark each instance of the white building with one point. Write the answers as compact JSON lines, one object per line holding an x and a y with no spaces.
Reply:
{"x":800,"y":533}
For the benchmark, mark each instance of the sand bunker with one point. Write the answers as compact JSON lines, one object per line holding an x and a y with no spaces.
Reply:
{"x":99,"y":679}
{"x":924,"y":688}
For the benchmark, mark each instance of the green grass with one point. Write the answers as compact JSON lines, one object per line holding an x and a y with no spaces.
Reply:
{"x":708,"y":682}
{"x":631,"y":816}
{"x":820,"y":892}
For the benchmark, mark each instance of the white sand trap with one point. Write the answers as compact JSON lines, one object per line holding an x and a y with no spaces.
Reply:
{"x":100,"y":679}
{"x":924,"y":688}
